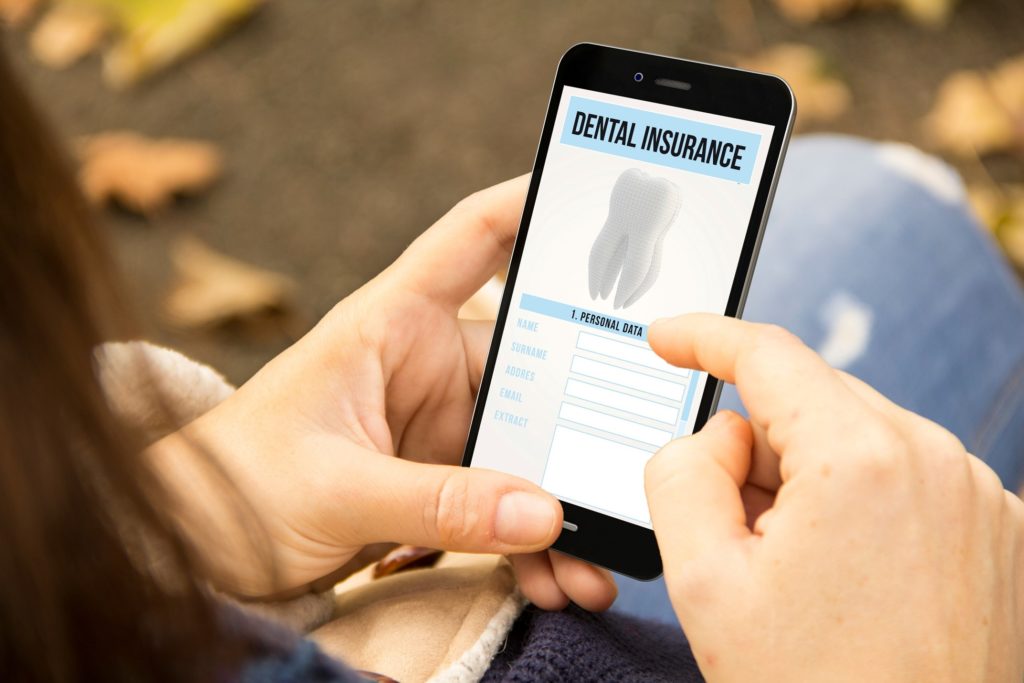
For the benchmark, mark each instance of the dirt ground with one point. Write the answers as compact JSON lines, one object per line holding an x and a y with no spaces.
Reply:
{"x":350,"y":126}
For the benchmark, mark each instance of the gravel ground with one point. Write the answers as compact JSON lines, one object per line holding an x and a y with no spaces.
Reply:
{"x":350,"y":126}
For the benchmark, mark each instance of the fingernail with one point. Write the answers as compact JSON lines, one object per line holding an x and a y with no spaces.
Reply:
{"x":524,"y":518}
{"x":720,"y":420}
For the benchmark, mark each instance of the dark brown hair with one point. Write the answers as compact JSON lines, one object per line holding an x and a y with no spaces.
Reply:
{"x":76,"y":603}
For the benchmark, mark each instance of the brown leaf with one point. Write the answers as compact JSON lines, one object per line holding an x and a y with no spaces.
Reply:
{"x":925,"y":12}
{"x":968,"y":118}
{"x":67,"y":33}
{"x":1001,"y":211}
{"x":143,"y":175}
{"x":988,"y":204}
{"x":157,"y":33}
{"x":933,"y":13}
{"x":212,"y":288}
{"x":16,"y":12}
{"x":1007,"y":82}
{"x":819,"y":95}
{"x":1010,"y":232}
{"x":980,"y":112}
{"x":807,"y":11}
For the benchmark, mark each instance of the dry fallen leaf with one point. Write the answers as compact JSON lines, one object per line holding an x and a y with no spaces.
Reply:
{"x":807,"y":11}
{"x":16,"y":12}
{"x":934,"y":13}
{"x":1007,"y":82}
{"x":1001,"y":210}
{"x":926,"y":12}
{"x":67,"y":33}
{"x":1010,"y":231}
{"x":156,"y":33}
{"x":819,"y":95}
{"x":987,"y":202}
{"x":213,"y":289}
{"x":978,"y":113}
{"x":967,"y":119}
{"x":144,"y":174}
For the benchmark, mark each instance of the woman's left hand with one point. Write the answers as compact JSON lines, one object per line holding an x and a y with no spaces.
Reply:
{"x":354,"y":435}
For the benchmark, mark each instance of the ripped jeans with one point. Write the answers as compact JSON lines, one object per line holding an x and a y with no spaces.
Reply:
{"x":872,"y":257}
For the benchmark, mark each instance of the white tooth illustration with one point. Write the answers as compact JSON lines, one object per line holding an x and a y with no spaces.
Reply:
{"x":641,"y":209}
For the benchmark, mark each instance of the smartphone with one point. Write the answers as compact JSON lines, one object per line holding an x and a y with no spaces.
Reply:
{"x":649,"y":195}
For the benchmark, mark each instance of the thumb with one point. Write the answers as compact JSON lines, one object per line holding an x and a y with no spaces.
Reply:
{"x":693,"y":489}
{"x":450,"y":508}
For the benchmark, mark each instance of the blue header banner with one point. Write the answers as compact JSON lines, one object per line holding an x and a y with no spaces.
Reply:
{"x":582,"y":316}
{"x":671,"y":141}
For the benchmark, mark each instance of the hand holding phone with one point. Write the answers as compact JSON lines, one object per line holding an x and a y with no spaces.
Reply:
{"x":648,"y":198}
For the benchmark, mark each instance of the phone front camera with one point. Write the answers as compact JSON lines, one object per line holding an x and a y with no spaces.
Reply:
{"x":638,"y":77}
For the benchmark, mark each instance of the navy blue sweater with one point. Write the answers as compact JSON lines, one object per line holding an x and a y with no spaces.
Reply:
{"x":571,"y":645}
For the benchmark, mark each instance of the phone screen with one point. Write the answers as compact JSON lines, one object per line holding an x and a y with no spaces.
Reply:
{"x":641,"y":213}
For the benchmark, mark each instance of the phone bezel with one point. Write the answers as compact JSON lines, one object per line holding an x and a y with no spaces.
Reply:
{"x":618,"y":545}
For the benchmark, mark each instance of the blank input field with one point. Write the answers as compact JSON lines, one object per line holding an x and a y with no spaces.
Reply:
{"x":627,"y":378}
{"x":595,"y":472}
{"x":614,"y":425}
{"x":620,"y":401}
{"x":627,"y":352}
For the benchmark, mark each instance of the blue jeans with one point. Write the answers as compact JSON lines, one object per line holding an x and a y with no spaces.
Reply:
{"x":872,"y":257}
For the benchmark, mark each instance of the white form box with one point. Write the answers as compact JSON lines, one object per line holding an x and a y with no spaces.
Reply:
{"x":624,"y":402}
{"x":628,"y":378}
{"x":614,"y":425}
{"x":600,"y":474}
{"x":632,"y":353}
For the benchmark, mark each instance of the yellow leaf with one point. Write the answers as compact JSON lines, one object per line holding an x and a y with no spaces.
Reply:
{"x":1007,"y":82}
{"x":1001,"y":210}
{"x":1013,"y":241}
{"x":16,"y":12}
{"x":67,"y":33}
{"x":157,"y":33}
{"x":967,"y":118}
{"x":807,"y":11}
{"x":927,"y":12}
{"x":212,"y":288}
{"x":819,"y":96}
{"x":1011,"y":230}
{"x":143,"y":175}
{"x":987,"y":202}
{"x":934,"y":13}
{"x":980,"y":112}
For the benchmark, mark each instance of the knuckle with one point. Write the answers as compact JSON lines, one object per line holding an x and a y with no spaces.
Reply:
{"x":770,"y":334}
{"x":467,"y":204}
{"x":450,"y":516}
{"x":939,"y":442}
{"x":881,"y":450}
{"x":1015,"y":511}
{"x":656,"y":468}
{"x":986,"y":482}
{"x":691,"y":583}
{"x":663,"y":467}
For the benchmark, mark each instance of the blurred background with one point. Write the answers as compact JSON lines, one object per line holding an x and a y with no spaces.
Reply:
{"x":256,"y":162}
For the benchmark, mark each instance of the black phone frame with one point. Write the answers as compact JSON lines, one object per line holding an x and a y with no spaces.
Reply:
{"x":600,"y":539}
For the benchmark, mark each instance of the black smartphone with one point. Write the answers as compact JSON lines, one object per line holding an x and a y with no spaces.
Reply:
{"x":649,"y":195}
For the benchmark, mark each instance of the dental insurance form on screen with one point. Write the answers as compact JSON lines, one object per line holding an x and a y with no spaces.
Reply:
{"x":641,"y":213}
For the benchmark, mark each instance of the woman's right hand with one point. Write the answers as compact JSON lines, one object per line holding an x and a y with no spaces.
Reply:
{"x":834,"y":536}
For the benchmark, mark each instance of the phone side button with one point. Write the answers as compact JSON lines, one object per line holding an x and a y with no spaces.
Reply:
{"x":569,"y":526}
